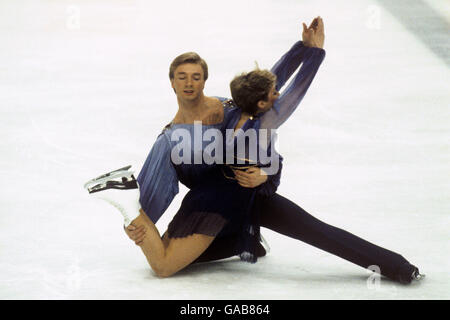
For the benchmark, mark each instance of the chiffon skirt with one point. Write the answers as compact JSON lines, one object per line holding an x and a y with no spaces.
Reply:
{"x":221,"y":208}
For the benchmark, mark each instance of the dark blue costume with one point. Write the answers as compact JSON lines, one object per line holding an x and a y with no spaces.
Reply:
{"x":217,"y":206}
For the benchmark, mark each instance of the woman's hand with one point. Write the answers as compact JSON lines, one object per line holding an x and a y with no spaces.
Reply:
{"x":250,"y":178}
{"x":136,"y":234}
{"x":314,"y":35}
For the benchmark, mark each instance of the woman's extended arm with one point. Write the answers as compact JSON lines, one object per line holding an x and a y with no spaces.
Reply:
{"x":310,"y":54}
{"x":310,"y":57}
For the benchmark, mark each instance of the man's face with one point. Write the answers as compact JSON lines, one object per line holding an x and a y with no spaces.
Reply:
{"x":188,"y":81}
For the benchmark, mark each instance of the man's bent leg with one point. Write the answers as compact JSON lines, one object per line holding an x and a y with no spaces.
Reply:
{"x":224,"y":247}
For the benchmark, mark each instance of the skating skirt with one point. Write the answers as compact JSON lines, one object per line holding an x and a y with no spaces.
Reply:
{"x":220,"y":207}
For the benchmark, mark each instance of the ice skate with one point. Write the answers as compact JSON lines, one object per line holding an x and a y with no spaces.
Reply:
{"x":118,"y":179}
{"x":265,"y":244}
{"x":417,"y":276}
{"x":410,"y":273}
{"x":120,"y":189}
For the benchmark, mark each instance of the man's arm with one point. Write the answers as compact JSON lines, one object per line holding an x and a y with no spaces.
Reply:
{"x":256,"y":177}
{"x":158,"y":185}
{"x":158,"y":181}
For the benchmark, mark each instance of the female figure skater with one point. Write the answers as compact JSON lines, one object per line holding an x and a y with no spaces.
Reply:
{"x":219,"y":208}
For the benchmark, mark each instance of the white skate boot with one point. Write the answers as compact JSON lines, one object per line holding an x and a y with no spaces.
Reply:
{"x":120,"y":189}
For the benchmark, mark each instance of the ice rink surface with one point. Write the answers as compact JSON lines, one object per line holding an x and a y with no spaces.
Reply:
{"x":84,"y":89}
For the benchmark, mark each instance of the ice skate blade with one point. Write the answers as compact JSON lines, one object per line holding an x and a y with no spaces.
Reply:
{"x":117,"y":177}
{"x":123,"y":172}
{"x":124,"y":184}
{"x":265,"y":244}
{"x":108,"y":174}
{"x":418,"y":277}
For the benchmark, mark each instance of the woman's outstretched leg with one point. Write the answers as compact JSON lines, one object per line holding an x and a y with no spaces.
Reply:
{"x":283,"y":216}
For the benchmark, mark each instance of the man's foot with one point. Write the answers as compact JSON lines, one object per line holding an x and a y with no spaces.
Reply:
{"x":409,"y":273}
{"x":417,"y":276}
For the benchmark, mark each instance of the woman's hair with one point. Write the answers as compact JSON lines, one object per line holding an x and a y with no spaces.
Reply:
{"x":188,"y":57}
{"x":249,"y":88}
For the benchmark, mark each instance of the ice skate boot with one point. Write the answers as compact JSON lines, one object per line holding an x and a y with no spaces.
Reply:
{"x":120,"y":189}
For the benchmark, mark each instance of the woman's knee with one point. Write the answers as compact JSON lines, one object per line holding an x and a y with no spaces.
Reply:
{"x":164,"y":274}
{"x":179,"y":253}
{"x":162,"y":271}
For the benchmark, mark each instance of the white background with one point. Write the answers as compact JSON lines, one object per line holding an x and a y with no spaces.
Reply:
{"x":84,"y":90}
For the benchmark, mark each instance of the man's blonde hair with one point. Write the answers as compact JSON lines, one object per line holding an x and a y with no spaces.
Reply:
{"x":188,"y":57}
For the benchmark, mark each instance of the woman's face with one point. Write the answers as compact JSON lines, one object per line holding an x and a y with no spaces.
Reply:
{"x":272,"y":96}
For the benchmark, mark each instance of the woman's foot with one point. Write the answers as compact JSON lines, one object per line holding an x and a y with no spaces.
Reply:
{"x":120,"y":189}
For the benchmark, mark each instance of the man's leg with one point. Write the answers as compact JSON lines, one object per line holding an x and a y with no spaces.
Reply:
{"x":224,"y":247}
{"x":283,"y":216}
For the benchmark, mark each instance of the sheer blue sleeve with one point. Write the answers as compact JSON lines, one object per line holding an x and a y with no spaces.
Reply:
{"x":288,"y":63}
{"x":310,"y":59}
{"x":158,"y":181}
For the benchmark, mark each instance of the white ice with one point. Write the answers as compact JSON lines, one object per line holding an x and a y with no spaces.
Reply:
{"x":84,"y":89}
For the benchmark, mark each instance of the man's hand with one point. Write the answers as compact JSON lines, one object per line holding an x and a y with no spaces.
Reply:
{"x":314,"y":35}
{"x":136,"y":234}
{"x":250,"y":178}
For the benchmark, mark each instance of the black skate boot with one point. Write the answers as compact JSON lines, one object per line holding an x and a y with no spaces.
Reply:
{"x":409,"y":273}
